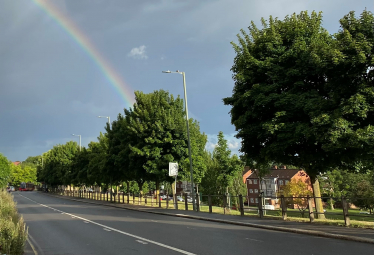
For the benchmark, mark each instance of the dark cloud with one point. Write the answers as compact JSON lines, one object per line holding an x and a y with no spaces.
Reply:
{"x":50,"y":87}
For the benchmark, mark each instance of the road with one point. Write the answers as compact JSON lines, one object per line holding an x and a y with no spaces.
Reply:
{"x":61,"y":226}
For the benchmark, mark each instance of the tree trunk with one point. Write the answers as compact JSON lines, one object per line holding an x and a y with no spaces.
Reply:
{"x":317,"y":198}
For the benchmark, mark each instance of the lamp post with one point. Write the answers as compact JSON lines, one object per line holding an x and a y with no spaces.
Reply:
{"x":188,"y":134}
{"x":80,"y":141}
{"x":108,"y":117}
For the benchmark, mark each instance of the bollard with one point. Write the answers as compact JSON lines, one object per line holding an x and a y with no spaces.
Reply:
{"x":310,"y":209}
{"x":185,"y":202}
{"x":241,"y":205}
{"x":210,"y":203}
{"x":345,"y":212}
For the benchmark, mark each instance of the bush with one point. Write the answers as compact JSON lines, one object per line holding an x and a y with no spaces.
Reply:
{"x":13,"y":232}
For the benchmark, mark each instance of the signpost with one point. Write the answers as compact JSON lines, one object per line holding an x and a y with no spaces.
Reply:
{"x":173,"y":171}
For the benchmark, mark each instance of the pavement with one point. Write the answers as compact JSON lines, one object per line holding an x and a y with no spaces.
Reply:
{"x":59,"y":225}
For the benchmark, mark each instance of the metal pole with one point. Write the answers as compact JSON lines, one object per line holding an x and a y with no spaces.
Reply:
{"x":189,"y":143}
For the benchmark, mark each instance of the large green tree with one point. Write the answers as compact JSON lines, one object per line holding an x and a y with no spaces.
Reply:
{"x":305,"y":97}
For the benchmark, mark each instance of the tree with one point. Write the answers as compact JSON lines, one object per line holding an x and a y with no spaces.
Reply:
{"x":4,"y":171}
{"x":304,"y":97}
{"x":223,"y":174}
{"x":297,"y":191}
{"x":19,"y":174}
{"x":152,"y":134}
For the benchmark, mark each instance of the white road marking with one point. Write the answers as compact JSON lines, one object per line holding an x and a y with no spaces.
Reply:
{"x":254,"y":240}
{"x":140,"y":241}
{"x":116,"y":230}
{"x":154,"y":220}
{"x":107,"y":229}
{"x":85,"y":221}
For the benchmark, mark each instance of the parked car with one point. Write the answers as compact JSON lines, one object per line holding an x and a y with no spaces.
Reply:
{"x":180,"y":199}
{"x":189,"y":199}
{"x":12,"y":188}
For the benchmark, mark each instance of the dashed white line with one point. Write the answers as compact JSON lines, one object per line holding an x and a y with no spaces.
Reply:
{"x":106,"y":229}
{"x":116,"y":230}
{"x":140,"y":241}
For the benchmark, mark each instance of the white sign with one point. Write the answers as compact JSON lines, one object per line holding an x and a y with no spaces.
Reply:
{"x":173,"y":169}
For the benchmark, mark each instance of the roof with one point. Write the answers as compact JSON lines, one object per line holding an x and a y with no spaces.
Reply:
{"x":246,"y":173}
{"x":16,"y":163}
{"x":280,"y":173}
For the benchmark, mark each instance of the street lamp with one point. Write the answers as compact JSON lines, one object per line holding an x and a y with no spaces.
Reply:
{"x":105,"y":117}
{"x":80,"y":141}
{"x":188,"y":134}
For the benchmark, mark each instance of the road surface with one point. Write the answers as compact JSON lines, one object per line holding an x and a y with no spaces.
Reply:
{"x":61,"y":226}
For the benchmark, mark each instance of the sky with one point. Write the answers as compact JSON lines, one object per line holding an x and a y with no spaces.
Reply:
{"x":51,"y":86}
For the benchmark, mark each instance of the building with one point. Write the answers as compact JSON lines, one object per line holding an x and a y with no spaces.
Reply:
{"x":17,"y":163}
{"x":271,"y":183}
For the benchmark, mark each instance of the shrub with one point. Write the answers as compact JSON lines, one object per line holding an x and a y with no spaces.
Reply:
{"x":13,"y":232}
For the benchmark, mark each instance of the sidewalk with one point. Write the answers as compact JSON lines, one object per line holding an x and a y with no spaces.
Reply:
{"x":337,"y":232}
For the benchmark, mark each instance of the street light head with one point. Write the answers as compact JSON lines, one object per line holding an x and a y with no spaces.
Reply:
{"x":72,"y":134}
{"x":166,"y":71}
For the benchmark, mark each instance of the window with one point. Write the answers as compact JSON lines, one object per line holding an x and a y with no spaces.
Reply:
{"x":280,"y":182}
{"x":286,"y":182}
{"x":252,"y":200}
{"x":254,"y":181}
{"x":256,"y":190}
{"x":256,"y":200}
{"x":251,"y":191}
{"x":249,"y":181}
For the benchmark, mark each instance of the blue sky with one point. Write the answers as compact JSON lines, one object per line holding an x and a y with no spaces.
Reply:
{"x":50,"y":88}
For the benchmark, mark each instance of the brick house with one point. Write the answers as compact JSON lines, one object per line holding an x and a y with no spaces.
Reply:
{"x":271,"y":184}
{"x":16,"y":163}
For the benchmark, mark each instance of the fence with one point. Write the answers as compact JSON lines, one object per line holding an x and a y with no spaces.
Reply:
{"x":301,"y":208}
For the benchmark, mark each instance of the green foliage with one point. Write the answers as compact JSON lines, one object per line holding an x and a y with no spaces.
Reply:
{"x":20,"y":174}
{"x":57,"y":164}
{"x":304,"y":97}
{"x":298,"y":190}
{"x":152,"y":134}
{"x":4,"y":171}
{"x":224,"y":172}
{"x":13,"y":232}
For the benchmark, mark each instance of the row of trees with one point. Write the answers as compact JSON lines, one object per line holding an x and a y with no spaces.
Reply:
{"x":15,"y":174}
{"x":136,"y":150}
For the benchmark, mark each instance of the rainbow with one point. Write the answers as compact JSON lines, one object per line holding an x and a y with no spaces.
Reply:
{"x":78,"y":36}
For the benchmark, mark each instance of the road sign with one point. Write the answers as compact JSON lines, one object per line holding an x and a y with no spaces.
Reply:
{"x":173,"y":169}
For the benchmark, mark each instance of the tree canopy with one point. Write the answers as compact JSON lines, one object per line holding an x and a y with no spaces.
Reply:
{"x":4,"y":171}
{"x":305,"y":97}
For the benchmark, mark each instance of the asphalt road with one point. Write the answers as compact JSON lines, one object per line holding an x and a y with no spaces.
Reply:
{"x":60,"y":226}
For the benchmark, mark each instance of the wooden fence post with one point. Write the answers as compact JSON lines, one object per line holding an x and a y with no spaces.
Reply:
{"x":167,"y":200}
{"x":185,"y":202}
{"x":310,"y":209}
{"x":284,"y":207}
{"x":345,"y":211}
{"x":260,"y":209}
{"x":197,"y":202}
{"x":210,"y":203}
{"x":241,"y":205}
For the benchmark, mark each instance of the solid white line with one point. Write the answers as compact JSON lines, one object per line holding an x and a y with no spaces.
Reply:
{"x":107,"y":229}
{"x":118,"y":231}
